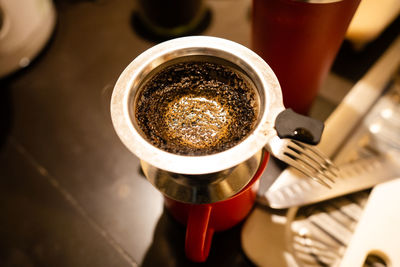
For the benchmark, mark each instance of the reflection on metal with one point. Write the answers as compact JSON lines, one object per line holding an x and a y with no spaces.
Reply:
{"x":206,"y":188}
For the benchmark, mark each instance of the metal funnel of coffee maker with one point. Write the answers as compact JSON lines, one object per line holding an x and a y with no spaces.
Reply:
{"x":213,"y":176}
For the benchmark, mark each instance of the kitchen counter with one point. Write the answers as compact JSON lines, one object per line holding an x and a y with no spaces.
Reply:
{"x":71,"y":193}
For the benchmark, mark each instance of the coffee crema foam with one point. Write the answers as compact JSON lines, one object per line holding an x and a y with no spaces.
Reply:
{"x":196,"y":108}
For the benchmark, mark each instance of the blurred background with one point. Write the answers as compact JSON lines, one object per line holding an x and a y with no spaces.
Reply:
{"x":71,"y":193}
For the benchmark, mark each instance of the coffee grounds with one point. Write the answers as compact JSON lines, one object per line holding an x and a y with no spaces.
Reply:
{"x":196,"y":108}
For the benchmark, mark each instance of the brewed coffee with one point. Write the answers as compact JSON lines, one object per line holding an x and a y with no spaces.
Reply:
{"x":196,"y":108}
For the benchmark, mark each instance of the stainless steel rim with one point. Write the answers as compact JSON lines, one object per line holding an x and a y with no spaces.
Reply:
{"x":252,"y":65}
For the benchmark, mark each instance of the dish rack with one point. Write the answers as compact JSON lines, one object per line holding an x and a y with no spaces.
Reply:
{"x":319,"y":234}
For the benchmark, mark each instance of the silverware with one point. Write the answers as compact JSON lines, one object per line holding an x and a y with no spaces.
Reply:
{"x":305,"y":158}
{"x":384,"y":125}
{"x":342,"y":131}
{"x":321,"y":233}
{"x":342,"y":139}
{"x":355,"y":230}
{"x":352,"y":177}
{"x":377,"y":233}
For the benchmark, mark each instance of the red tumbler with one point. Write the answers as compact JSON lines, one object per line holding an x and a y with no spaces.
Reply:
{"x":299,"y":39}
{"x":202,"y":220}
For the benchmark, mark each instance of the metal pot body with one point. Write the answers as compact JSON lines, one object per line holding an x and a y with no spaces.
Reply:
{"x":208,"y":178}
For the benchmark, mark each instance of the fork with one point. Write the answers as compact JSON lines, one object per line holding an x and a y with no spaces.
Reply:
{"x":321,"y":233}
{"x":307,"y":159}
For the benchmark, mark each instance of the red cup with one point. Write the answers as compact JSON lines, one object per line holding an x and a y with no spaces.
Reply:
{"x":300,"y":40}
{"x":202,"y":220}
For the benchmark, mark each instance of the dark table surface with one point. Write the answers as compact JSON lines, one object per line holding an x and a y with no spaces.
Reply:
{"x":70,"y":193}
